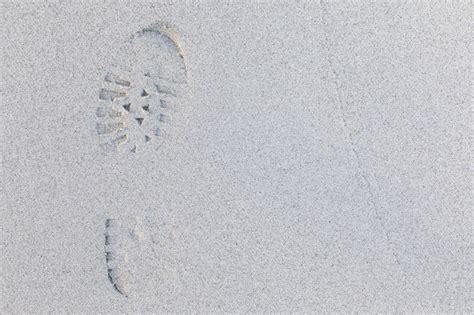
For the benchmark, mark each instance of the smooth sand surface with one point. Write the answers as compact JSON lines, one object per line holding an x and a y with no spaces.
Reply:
{"x":316,"y":158}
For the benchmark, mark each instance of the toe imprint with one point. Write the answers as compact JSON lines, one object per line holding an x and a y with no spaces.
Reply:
{"x":139,"y":95}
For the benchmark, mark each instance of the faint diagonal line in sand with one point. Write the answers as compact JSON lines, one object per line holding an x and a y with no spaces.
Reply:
{"x":363,"y":173}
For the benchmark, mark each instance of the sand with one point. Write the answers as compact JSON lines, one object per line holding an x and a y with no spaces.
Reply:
{"x":259,"y":156}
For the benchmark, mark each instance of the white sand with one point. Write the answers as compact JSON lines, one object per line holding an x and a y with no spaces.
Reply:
{"x":318,"y":160}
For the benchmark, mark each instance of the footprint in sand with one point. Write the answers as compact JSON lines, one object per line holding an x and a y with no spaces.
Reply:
{"x":121,"y":238}
{"x":138,"y":95}
{"x":135,"y":104}
{"x":140,"y":256}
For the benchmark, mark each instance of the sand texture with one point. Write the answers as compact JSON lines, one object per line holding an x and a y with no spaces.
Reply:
{"x":251,"y":156}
